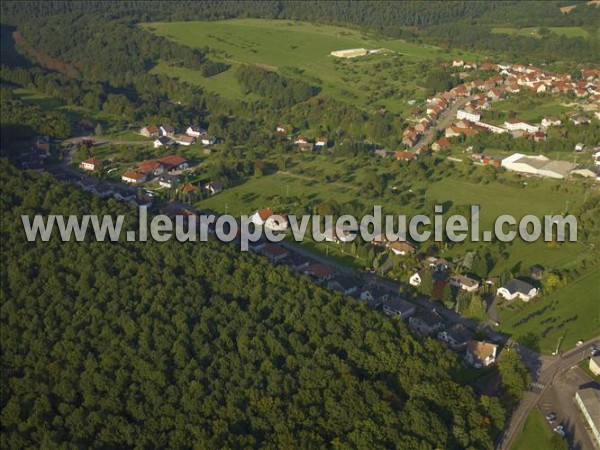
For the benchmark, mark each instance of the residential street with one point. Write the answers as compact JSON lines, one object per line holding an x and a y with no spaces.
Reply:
{"x":443,"y":121}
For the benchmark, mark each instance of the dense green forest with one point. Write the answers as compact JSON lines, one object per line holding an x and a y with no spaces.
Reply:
{"x":196,"y":345}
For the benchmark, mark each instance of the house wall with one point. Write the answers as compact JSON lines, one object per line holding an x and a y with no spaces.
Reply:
{"x":507,"y":295}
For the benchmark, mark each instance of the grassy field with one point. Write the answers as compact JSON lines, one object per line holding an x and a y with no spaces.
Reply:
{"x":306,"y":176}
{"x":569,"y":32}
{"x":533,"y":112}
{"x":303,"y":50}
{"x":536,"y":434}
{"x":579,"y":297}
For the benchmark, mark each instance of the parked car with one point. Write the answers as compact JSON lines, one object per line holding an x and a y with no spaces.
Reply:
{"x":560,"y":430}
{"x":551,"y":417}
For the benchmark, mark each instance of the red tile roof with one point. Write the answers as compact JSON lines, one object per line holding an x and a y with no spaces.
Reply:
{"x":148,"y":166}
{"x":172,"y":160}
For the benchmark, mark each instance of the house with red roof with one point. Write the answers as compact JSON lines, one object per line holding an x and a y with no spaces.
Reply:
{"x":174,"y":162}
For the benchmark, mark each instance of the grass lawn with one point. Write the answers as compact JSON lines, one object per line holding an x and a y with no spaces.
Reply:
{"x":535,"y":112}
{"x":569,"y":32}
{"x":223,"y":83}
{"x":302,"y":50}
{"x":535,"y":434}
{"x":579,"y":297}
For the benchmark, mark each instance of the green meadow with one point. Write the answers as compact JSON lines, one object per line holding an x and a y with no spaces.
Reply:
{"x":580,"y":297}
{"x":569,"y":32}
{"x":299,"y":49}
{"x":536,"y":433}
{"x":308,"y":176}
{"x":533,"y":112}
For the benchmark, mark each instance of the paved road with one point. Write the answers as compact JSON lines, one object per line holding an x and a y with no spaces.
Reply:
{"x":443,"y":121}
{"x":97,"y":140}
{"x":546,"y":374}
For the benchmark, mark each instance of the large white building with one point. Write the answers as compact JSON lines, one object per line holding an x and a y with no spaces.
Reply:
{"x":539,"y":165}
{"x":473,"y":117}
{"x":350,"y":53}
{"x":519,"y":125}
{"x":588,"y":400}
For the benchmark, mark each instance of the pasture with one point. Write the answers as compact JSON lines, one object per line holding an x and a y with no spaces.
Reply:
{"x":579,"y":298}
{"x":298,"y":49}
{"x":569,"y":32}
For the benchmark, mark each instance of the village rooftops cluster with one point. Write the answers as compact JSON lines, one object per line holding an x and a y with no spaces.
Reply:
{"x":165,"y":135}
{"x":150,"y":169}
{"x":511,"y":79}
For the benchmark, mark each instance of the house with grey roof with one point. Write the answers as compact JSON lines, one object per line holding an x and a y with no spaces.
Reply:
{"x":517,"y":289}
{"x":398,"y":307}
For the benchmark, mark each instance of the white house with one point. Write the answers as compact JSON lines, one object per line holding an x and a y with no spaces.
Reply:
{"x":517,"y":289}
{"x":519,"y":125}
{"x":471,"y":116}
{"x":464,"y":283}
{"x":458,"y":63}
{"x":185,"y":140}
{"x":481,"y":354}
{"x":321,"y":141}
{"x":163,"y":141}
{"x":195,"y":131}
{"x":260,"y":216}
{"x":133,"y":177}
{"x":551,"y":122}
{"x":277,"y":222}
{"x":91,"y":164}
{"x":168,"y":181}
{"x":167,"y":130}
{"x":208,"y":140}
{"x":300,"y":140}
{"x":415,"y":279}
{"x":579,"y":147}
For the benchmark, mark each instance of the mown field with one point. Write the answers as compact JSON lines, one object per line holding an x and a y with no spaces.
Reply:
{"x":569,"y":32}
{"x":300,"y":49}
{"x":579,"y":298}
{"x":533,"y":111}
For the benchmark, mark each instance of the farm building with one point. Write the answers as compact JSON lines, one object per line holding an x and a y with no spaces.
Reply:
{"x":350,"y":53}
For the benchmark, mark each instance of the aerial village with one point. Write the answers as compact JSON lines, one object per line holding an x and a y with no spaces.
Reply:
{"x":467,"y":103}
